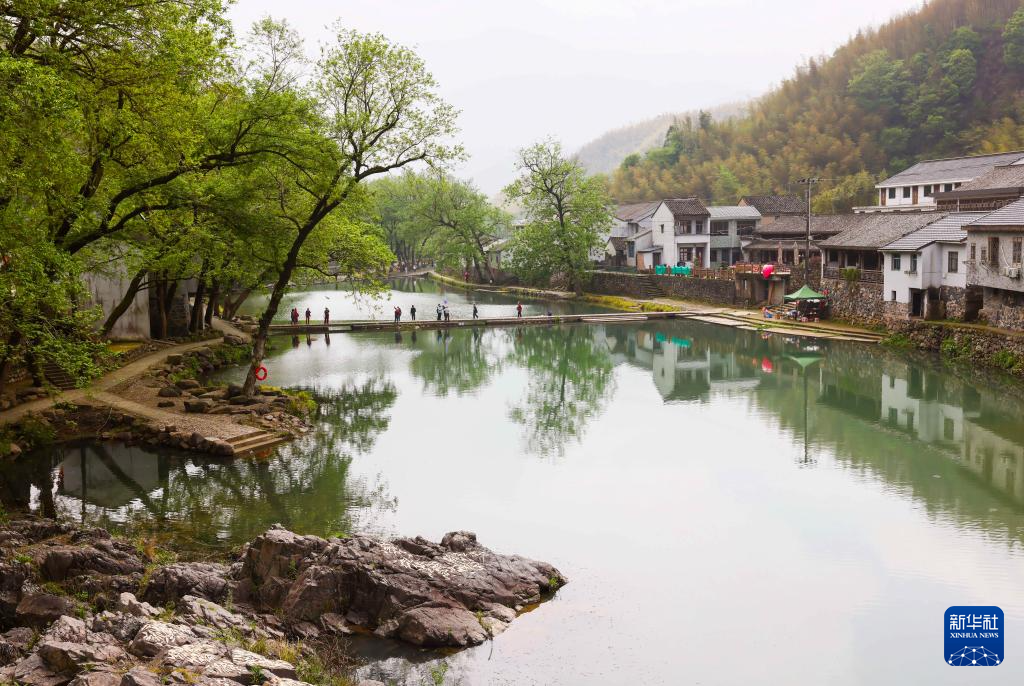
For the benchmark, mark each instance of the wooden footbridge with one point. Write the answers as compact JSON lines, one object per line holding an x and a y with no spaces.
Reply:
{"x":724,"y":317}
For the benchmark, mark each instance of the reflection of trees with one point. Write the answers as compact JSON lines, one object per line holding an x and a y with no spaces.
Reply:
{"x":569,"y":375}
{"x":199,"y":502}
{"x":459,"y":361}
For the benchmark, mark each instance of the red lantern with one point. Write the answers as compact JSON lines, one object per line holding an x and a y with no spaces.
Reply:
{"x":766,"y":366}
{"x":767,"y":270}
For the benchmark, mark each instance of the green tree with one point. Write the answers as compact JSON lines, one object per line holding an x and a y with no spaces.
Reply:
{"x":373,"y":108}
{"x":1013,"y":40}
{"x":567,"y":212}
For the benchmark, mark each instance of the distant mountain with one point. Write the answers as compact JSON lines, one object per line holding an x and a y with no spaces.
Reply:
{"x":603,"y":154}
{"x":941,"y":81}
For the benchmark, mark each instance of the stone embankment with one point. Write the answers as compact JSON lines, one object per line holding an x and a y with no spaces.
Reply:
{"x":80,"y":607}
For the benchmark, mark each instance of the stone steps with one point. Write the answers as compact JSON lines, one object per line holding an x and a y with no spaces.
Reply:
{"x":255,"y":441}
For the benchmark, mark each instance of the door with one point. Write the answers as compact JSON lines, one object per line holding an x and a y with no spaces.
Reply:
{"x":916,"y":302}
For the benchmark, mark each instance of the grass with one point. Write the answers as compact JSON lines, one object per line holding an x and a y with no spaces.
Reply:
{"x":898,"y":341}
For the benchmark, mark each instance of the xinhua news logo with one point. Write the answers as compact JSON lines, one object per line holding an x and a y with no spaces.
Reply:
{"x":974,"y":636}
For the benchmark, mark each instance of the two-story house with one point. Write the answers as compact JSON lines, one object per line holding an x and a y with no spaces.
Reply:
{"x":925,"y":272}
{"x":772,"y":207}
{"x":680,"y":233}
{"x":730,"y":227}
{"x":914,"y":189}
{"x":995,"y":253}
{"x":996,"y":188}
{"x":630,"y":221}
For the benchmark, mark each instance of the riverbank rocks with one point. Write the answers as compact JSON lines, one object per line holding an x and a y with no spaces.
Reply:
{"x":452,"y":593}
{"x":209,"y":624}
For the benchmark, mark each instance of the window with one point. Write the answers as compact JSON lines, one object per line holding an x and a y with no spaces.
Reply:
{"x":946,"y":188}
{"x":972,"y":252}
{"x":894,"y":416}
{"x":906,"y":192}
{"x":720,"y":228}
{"x":714,"y":255}
{"x":663,"y":228}
{"x":948,"y":429}
{"x":699,"y":224}
{"x":910,"y":419}
{"x":952,"y":261}
{"x":1016,"y":249}
{"x":892,"y":194}
{"x":913,"y":263}
{"x":928,"y":191}
{"x":895,"y":264}
{"x":746,"y":227}
{"x":893,"y":298}
{"x":632,"y":249}
{"x":993,"y":251}
{"x":984,"y":256}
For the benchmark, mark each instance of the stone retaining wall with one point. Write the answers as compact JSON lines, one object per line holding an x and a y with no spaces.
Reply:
{"x":616,"y":283}
{"x":718,"y":291}
{"x":856,"y":301}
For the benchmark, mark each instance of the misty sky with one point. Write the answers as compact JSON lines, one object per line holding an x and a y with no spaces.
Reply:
{"x":572,"y":69}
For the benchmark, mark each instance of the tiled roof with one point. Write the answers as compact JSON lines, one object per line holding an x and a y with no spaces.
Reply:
{"x":636,"y":211}
{"x":948,"y":229}
{"x":951,"y":169}
{"x":1011,"y":215}
{"x":874,"y":230}
{"x":618,"y":243}
{"x":1007,"y":176}
{"x":775,"y":204}
{"x":733,"y":212}
{"x":774,"y":244}
{"x":686,"y":207}
{"x":821,"y":224}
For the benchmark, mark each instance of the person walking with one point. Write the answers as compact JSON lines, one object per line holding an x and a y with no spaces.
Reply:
{"x":438,"y":311}
{"x":398,"y":314}
{"x":295,"y":316}
{"x":308,"y":315}
{"x":327,"y":317}
{"x":519,"y":310}
{"x":476,"y":314}
{"x":412,"y":312}
{"x":447,"y":315}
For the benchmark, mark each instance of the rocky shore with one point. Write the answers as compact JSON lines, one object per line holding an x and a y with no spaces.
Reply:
{"x":81,"y":607}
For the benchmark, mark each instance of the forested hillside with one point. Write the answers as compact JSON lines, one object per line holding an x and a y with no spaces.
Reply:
{"x":942,"y":81}
{"x":603,"y":154}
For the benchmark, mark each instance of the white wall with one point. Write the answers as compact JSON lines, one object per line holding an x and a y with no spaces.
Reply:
{"x":107,"y":291}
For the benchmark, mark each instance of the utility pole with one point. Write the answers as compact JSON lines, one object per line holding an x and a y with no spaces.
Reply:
{"x":808,"y":182}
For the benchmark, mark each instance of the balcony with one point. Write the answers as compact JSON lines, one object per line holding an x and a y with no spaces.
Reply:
{"x":834,"y":271}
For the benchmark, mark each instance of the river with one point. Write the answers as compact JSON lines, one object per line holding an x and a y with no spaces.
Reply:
{"x":729,"y":508}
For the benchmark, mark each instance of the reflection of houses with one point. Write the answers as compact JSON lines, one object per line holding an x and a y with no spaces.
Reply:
{"x":915,"y":403}
{"x":914,"y":189}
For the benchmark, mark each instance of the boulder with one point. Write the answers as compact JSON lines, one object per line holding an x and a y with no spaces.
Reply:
{"x":12,"y":578}
{"x":203,"y":579}
{"x":32,"y":671}
{"x":121,"y":626}
{"x":198,"y":406}
{"x":129,"y":604}
{"x":452,"y":593}
{"x":165,"y":403}
{"x":67,"y":629}
{"x":210,"y":614}
{"x":186,"y":384}
{"x":39,"y":609}
{"x":155,"y":637}
{"x":96,"y":555}
{"x":140,"y":676}
{"x":169,"y":392}
{"x":71,"y":657}
{"x":174,"y":359}
{"x":98,"y":677}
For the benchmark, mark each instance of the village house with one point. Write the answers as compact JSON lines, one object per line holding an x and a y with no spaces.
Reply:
{"x":772,"y":207}
{"x":990,"y":191}
{"x":925,"y":271}
{"x":679,"y":233}
{"x":783,"y":240}
{"x":851,"y":269}
{"x":994,"y":261}
{"x":630,"y":221}
{"x":914,"y":189}
{"x":730,"y":226}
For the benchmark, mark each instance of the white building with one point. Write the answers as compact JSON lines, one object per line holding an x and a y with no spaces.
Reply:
{"x":995,"y":264}
{"x":731,"y":226}
{"x":630,"y":221}
{"x":679,"y":233}
{"x":925,"y":272}
{"x":913,"y":189}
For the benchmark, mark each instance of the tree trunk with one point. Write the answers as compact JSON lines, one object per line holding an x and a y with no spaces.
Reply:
{"x":231,"y":306}
{"x":126,"y":302}
{"x":195,"y":320}
{"x":211,"y":308}
{"x":259,"y":341}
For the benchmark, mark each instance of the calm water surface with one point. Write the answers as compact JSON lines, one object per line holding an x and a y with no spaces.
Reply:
{"x":729,"y":509}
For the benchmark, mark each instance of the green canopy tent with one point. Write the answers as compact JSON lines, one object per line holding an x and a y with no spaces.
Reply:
{"x":805,"y":293}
